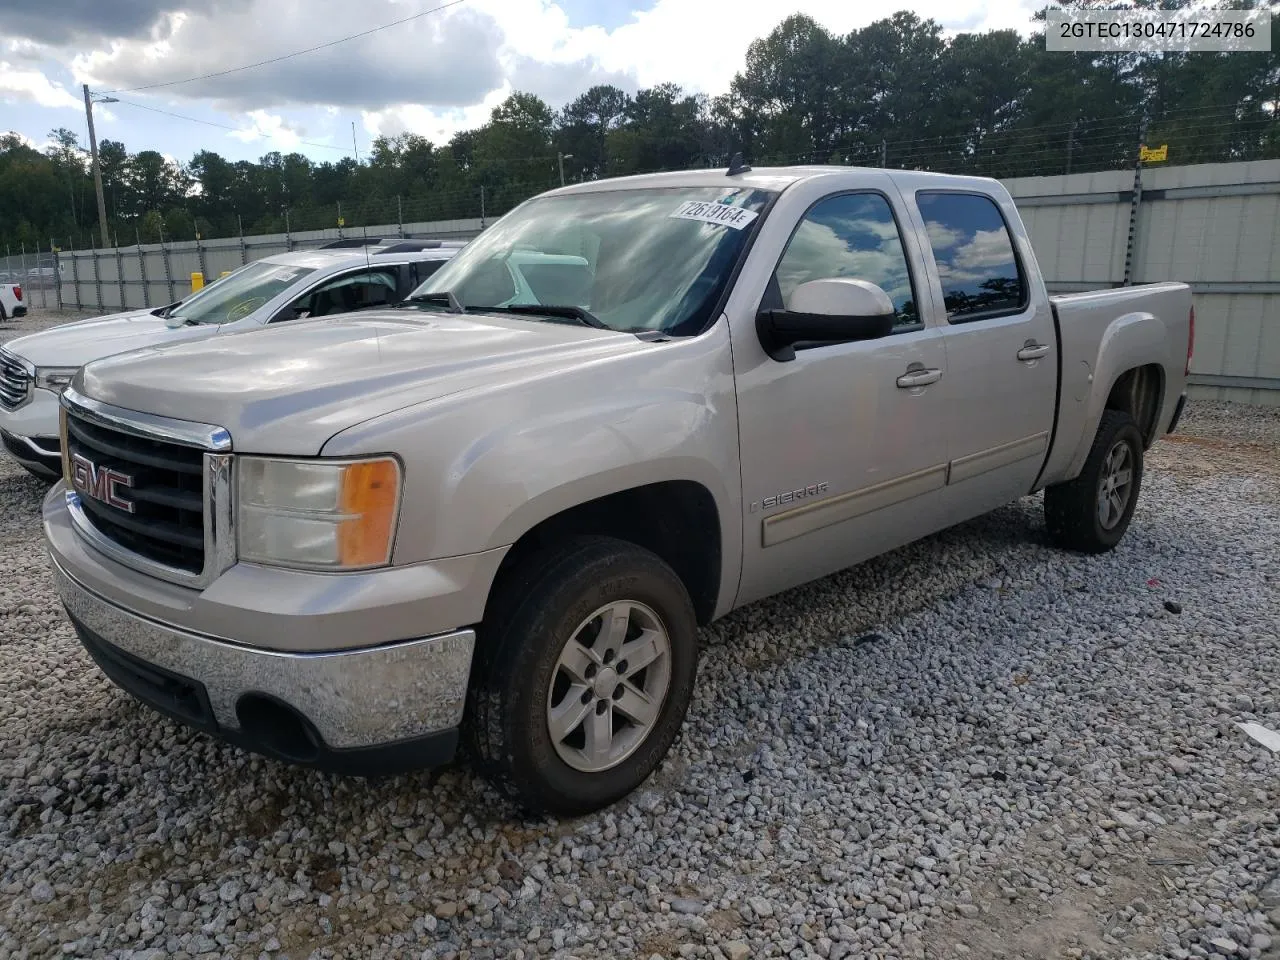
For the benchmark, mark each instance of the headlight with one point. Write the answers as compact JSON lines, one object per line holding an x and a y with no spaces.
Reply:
{"x":317,"y":514}
{"x":56,"y":379}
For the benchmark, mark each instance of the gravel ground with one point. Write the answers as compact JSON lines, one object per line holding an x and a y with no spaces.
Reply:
{"x":975,"y":746}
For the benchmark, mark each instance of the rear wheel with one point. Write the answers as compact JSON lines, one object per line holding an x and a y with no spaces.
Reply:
{"x":584,"y":676}
{"x":1092,"y":512}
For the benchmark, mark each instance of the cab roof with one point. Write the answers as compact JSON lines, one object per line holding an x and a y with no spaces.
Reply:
{"x":764,"y":178}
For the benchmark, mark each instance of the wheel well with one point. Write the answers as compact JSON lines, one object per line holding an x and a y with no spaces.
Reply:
{"x":1138,"y":393}
{"x":677,"y":520}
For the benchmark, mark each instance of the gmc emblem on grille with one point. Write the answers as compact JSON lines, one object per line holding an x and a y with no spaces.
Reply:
{"x":101,"y":483}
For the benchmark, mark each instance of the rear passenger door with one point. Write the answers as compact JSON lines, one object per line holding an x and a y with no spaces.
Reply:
{"x":1001,"y":349}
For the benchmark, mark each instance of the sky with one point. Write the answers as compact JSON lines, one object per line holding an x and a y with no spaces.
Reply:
{"x":433,"y":75}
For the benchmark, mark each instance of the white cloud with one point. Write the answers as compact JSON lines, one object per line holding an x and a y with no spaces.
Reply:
{"x":434,"y":75}
{"x":942,"y":237}
{"x":438,"y":126}
{"x":701,"y":45}
{"x":269,"y":127}
{"x":22,"y":137}
{"x":453,"y":59}
{"x":447,"y":60}
{"x":32,"y":86}
{"x":986,"y":248}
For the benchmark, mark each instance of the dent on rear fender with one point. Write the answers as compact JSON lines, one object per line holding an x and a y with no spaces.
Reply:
{"x":1135,"y":339}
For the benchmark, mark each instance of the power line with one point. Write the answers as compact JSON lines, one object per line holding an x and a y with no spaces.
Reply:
{"x":221,"y":126}
{"x":287,"y":56}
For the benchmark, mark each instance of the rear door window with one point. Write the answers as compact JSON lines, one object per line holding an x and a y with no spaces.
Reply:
{"x":972,"y":245}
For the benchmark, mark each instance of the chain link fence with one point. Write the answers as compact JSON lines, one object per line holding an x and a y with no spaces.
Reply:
{"x":36,"y":271}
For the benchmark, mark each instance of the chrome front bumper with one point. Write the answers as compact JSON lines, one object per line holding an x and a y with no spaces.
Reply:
{"x":376,"y":709}
{"x":39,"y":455}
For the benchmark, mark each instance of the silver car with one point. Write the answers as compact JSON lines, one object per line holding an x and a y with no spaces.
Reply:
{"x":34,"y":369}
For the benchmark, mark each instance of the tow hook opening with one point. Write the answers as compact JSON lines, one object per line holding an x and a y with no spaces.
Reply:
{"x":277,"y":727}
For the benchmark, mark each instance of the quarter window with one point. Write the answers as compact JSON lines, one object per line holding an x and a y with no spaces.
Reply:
{"x":853,"y":235}
{"x":974,"y":252}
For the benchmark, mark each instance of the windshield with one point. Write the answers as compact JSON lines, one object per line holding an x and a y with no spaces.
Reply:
{"x":644,"y":259}
{"x":238,"y":294}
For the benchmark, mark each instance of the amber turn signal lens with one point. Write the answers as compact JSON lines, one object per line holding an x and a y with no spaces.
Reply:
{"x":370,"y":494}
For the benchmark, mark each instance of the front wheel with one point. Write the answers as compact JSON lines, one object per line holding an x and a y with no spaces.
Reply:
{"x":1091,"y":513}
{"x":585,"y":675}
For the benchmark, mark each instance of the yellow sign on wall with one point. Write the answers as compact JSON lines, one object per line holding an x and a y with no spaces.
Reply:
{"x":1154,"y":154}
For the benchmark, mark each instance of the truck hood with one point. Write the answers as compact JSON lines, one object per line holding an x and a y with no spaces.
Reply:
{"x":287,"y":389}
{"x":75,"y":344}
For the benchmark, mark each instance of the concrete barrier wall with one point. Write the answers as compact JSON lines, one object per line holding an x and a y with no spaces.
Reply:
{"x":1215,"y":226}
{"x":154,"y":274}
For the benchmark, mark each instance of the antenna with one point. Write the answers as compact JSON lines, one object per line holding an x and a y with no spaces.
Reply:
{"x":737,"y":165}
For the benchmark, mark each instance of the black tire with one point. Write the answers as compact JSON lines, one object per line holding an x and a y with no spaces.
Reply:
{"x":1073,"y":510}
{"x":539,"y":607}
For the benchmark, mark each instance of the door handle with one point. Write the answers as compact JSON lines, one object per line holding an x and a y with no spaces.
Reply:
{"x":919,"y":378}
{"x":1033,"y":351}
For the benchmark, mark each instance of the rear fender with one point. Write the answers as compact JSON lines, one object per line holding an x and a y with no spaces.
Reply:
{"x":1132,"y":340}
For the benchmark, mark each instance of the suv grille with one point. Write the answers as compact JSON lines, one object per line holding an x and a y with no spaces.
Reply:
{"x":15,"y":384}
{"x":162,"y":481}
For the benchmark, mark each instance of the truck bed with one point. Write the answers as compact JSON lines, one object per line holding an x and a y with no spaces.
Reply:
{"x":1101,"y":335}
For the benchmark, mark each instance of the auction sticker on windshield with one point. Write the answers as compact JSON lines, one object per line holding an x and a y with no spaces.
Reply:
{"x":717,"y":213}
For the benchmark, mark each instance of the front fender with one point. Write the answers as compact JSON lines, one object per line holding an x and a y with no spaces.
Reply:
{"x":485,"y":466}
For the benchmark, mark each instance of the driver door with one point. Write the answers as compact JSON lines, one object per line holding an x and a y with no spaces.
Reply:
{"x":844,"y":454}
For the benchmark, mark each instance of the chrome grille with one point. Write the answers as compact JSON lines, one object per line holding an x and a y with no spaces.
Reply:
{"x":159,"y":513}
{"x":15,"y":382}
{"x":149,"y":492}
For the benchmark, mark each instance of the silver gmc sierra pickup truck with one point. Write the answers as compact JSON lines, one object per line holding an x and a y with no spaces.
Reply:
{"x":496,"y":517}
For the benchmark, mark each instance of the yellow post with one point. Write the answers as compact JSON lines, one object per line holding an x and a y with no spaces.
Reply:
{"x":197,"y":280}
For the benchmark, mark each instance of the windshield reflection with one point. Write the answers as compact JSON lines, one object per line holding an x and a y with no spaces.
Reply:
{"x":633,"y":260}
{"x":238,"y":294}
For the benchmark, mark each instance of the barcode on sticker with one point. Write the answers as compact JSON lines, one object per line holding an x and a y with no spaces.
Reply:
{"x":718,"y":213}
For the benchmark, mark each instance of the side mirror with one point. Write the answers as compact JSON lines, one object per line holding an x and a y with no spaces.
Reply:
{"x":834,"y":310}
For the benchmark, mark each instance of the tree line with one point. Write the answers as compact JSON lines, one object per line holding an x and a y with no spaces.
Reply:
{"x":895,"y":93}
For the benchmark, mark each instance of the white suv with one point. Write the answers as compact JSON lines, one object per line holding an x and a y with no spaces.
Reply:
{"x":34,"y":369}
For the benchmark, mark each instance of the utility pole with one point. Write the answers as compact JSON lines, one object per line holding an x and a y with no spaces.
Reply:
{"x":93,"y":153}
{"x":563,"y":157}
{"x":1135,"y":203}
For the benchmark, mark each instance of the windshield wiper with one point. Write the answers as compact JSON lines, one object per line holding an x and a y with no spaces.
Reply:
{"x":444,"y":298}
{"x":584,"y":317}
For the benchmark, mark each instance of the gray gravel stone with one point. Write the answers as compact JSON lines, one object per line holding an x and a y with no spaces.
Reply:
{"x":826,"y":798}
{"x":687,"y":906}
